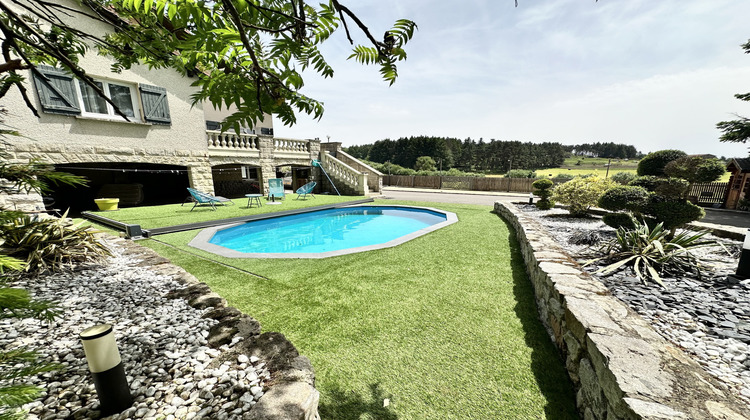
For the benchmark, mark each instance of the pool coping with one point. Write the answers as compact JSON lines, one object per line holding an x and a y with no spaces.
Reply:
{"x":201,"y":240}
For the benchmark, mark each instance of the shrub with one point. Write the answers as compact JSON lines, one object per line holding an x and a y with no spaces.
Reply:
{"x":654,"y":163}
{"x":623,"y":197}
{"x":619,"y":220}
{"x":673,"y":213}
{"x":623,"y":177}
{"x":648,"y":182}
{"x":674,"y":188}
{"x":560,"y":178}
{"x":695,"y":169}
{"x":49,"y":244}
{"x":581,"y":193}
{"x":520,"y":173}
{"x":543,"y":189}
{"x":424,"y":163}
{"x":651,"y":251}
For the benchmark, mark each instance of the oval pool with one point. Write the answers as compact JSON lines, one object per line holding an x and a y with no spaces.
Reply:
{"x":323,"y":233}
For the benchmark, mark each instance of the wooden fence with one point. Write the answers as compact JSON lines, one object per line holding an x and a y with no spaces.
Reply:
{"x":460,"y":183}
{"x":709,"y":193}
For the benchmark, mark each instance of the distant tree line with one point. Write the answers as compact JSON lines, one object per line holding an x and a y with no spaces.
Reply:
{"x":467,"y":155}
{"x":604,"y":150}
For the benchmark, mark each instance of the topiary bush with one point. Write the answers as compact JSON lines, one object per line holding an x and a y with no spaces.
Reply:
{"x":619,"y":220}
{"x":696,"y":169}
{"x":623,"y":177}
{"x":673,"y":213}
{"x":581,"y":193}
{"x":674,"y":188}
{"x":543,"y":189}
{"x":648,"y":182}
{"x":624,"y":197}
{"x":655,"y":162}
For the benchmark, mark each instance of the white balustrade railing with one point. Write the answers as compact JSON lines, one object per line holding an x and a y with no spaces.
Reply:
{"x":344,"y":173}
{"x":232,"y":141}
{"x":291,"y":145}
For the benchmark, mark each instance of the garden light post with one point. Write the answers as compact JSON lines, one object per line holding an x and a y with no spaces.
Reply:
{"x":106,"y":368}
{"x":743,"y":267}
{"x":531,"y":198}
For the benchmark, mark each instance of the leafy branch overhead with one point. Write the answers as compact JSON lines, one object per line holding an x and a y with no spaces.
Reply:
{"x":737,"y":131}
{"x":244,"y":53}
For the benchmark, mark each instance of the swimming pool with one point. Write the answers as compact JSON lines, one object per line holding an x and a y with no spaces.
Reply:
{"x":323,"y":233}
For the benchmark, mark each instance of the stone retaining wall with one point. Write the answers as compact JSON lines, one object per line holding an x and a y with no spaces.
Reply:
{"x":620,"y":367}
{"x":293,"y":394}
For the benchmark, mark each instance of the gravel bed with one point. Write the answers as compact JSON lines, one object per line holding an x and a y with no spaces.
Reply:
{"x":708,"y":317}
{"x":171,"y":371}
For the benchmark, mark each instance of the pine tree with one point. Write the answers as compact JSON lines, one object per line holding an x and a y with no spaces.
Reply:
{"x":737,"y":131}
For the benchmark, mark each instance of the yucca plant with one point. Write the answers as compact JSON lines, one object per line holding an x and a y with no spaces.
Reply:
{"x":49,"y":244}
{"x":650,"y":252}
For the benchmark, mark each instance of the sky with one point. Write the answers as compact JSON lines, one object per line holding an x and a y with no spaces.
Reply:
{"x":655,"y":74}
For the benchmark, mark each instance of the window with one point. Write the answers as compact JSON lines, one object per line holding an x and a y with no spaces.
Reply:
{"x":93,"y":105}
{"x":60,"y":93}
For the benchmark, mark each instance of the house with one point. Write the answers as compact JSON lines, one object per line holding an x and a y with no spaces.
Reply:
{"x":167,"y":145}
{"x":739,"y":184}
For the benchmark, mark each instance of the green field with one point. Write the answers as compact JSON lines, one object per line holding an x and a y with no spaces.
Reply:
{"x":576,"y":166}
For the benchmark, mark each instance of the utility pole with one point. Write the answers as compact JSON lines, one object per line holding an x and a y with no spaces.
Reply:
{"x":609,"y":162}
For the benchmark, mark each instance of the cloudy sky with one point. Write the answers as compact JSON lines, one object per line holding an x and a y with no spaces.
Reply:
{"x":657,"y":74}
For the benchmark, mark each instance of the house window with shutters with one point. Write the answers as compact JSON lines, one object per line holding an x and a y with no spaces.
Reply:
{"x":61,"y":93}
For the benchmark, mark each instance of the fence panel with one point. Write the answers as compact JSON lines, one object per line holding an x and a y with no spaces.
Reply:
{"x":461,"y":183}
{"x":456,"y":183}
{"x":709,"y":193}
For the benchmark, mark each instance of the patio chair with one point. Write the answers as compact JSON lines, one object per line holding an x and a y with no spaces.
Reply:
{"x":306,"y":189}
{"x":201,"y":199}
{"x":275,"y":188}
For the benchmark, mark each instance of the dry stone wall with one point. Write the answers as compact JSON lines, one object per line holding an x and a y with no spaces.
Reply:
{"x":621,"y":368}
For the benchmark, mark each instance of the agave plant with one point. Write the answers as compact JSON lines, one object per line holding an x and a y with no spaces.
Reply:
{"x":650,"y":252}
{"x":48,"y":244}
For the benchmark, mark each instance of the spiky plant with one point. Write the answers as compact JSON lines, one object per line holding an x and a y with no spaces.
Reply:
{"x":651,"y":253}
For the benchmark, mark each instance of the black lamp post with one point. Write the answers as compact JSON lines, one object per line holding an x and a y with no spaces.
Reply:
{"x":106,"y":368}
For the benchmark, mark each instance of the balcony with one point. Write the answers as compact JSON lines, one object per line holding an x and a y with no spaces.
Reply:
{"x":230,"y":143}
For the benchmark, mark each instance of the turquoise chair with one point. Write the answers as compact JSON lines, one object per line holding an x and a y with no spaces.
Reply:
{"x":306,"y":189}
{"x":203,"y":199}
{"x":276,"y":188}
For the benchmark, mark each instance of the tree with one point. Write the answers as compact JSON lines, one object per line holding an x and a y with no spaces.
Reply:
{"x":654,"y":163}
{"x":243,"y":53}
{"x":581,"y":193}
{"x":737,"y":131}
{"x":425,"y":163}
{"x":695,"y":169}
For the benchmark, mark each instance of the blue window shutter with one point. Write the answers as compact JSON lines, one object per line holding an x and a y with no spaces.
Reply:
{"x":155,"y":105}
{"x":57,"y":93}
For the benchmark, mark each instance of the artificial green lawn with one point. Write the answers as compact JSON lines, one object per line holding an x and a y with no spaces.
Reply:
{"x":444,"y":326}
{"x":178,"y":214}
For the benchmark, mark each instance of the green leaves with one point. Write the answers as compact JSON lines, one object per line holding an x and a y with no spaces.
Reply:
{"x":651,"y":252}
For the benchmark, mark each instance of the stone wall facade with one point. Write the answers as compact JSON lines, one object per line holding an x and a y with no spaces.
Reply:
{"x":620,"y":367}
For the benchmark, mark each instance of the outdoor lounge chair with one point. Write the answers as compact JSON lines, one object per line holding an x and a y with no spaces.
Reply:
{"x":275,"y":188}
{"x":201,"y":198}
{"x":306,"y":189}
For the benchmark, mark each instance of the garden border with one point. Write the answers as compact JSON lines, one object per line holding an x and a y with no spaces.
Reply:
{"x":292,"y":392}
{"x":620,"y":367}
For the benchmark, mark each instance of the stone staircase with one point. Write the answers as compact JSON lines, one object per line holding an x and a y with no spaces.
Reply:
{"x":348,"y":180}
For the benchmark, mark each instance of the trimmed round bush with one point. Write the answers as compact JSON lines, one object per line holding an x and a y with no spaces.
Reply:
{"x":623,"y":177}
{"x":619,"y":220}
{"x":673,"y":213}
{"x":696,"y":169}
{"x":674,"y":188}
{"x":648,"y":182}
{"x":624,"y":197}
{"x":654,"y":163}
{"x":543,"y":189}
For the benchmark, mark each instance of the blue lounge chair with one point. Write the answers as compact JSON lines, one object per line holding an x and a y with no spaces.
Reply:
{"x":201,"y":198}
{"x":275,"y":188}
{"x":306,"y":189}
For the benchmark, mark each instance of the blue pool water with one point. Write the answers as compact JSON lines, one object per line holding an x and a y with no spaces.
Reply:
{"x":326,"y":230}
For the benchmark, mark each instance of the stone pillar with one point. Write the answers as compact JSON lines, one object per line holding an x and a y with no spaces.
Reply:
{"x":201,"y":178}
{"x":331,"y":147}
{"x":267,"y":167}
